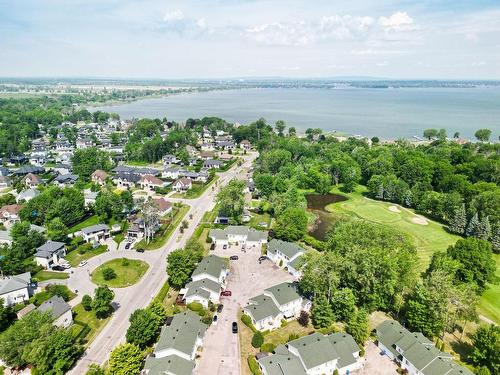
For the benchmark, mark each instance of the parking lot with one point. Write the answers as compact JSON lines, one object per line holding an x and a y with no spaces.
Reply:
{"x":247,"y":279}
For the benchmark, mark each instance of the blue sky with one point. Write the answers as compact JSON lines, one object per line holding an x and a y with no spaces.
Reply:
{"x":243,"y":38}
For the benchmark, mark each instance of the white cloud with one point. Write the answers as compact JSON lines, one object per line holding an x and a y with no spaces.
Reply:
{"x":174,"y":15}
{"x":398,"y":20}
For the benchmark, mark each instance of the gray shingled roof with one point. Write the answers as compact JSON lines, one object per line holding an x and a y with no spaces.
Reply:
{"x":284,"y":292}
{"x":48,"y":248}
{"x":171,"y":364}
{"x":289,"y":249}
{"x":262,"y":307}
{"x":56,"y":305}
{"x":16,"y":282}
{"x":211,"y":265}
{"x":314,"y":350}
{"x":95,"y":228}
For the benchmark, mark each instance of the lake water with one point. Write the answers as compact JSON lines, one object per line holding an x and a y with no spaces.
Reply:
{"x":387,"y":113}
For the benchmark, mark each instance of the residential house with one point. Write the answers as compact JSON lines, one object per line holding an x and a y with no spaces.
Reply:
{"x":234,"y":234}
{"x":16,"y":289}
{"x":27,"y":195}
{"x":5,"y":182}
{"x":279,"y":302}
{"x":60,"y":311}
{"x":126,"y":180}
{"x":38,"y":160}
{"x":415,"y":353}
{"x":164,"y":206}
{"x":245,"y":145}
{"x":213,"y":163}
{"x":207,"y":147}
{"x":314,"y":354}
{"x":95,"y":233}
{"x":4,"y":172}
{"x":172,"y":173}
{"x":286,"y":255}
{"x":99,"y":177}
{"x":31,"y":180}
{"x":28,"y":169}
{"x":83,"y":143}
{"x":226,"y":145}
{"x":176,"y":349}
{"x":170,"y":159}
{"x":65,"y":180}
{"x":182,"y":184}
{"x":213,"y":268}
{"x":149,"y":182}
{"x":50,"y":254}
{"x":9,"y":214}
{"x":89,"y":197}
{"x":62,"y":168}
{"x":205,"y":155}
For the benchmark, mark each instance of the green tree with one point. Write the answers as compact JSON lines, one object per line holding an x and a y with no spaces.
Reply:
{"x":102,"y":301}
{"x":484,"y":229}
{"x":322,"y":314}
{"x":357,"y":326}
{"x":57,"y":230}
{"x":343,"y":304}
{"x":291,"y":225}
{"x":292,"y":131}
{"x":108,"y":273}
{"x":458,"y":221}
{"x":7,"y":315}
{"x":472,"y":227}
{"x":280,"y":127}
{"x":86,"y":161}
{"x":125,"y":359}
{"x":483,"y":135}
{"x":108,"y":205}
{"x":257,"y":339}
{"x":87,"y":302}
{"x":158,"y":310}
{"x":430,"y":133}
{"x":231,"y":200}
{"x":143,"y":329}
{"x":95,"y":369}
{"x":180,"y":265}
{"x":486,"y":348}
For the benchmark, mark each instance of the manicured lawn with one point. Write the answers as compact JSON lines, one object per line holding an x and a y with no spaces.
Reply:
{"x":50,"y":275}
{"x":91,"y":220}
{"x":281,"y":335}
{"x":489,"y":304}
{"x":427,"y":238}
{"x":260,"y":218}
{"x":89,"y":319}
{"x":164,"y":233}
{"x":126,"y":275}
{"x":74,"y":257}
{"x":119,"y":238}
{"x":196,"y":191}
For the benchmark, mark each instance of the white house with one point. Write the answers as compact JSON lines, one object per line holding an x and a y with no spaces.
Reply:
{"x":203,"y":291}
{"x":149,"y":182}
{"x":95,"y":233}
{"x":170,"y":159}
{"x":213,"y":268}
{"x":182,"y":184}
{"x":9,"y":214}
{"x":172,"y":173}
{"x":50,"y":254}
{"x":27,"y":195}
{"x":285,"y":255}
{"x":234,"y":234}
{"x":164,"y":206}
{"x":16,"y":289}
{"x":60,"y":310}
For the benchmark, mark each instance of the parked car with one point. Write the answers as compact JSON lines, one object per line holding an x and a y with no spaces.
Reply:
{"x":212,"y":246}
{"x":235,"y":327}
{"x":224,"y":247}
{"x":58,"y":268}
{"x":220,"y":308}
{"x":226,"y":293}
{"x":66,"y":266}
{"x":215,"y":319}
{"x":82,"y":263}
{"x":261,"y":258}
{"x":127,"y":245}
{"x":233,"y":257}
{"x":140,"y":250}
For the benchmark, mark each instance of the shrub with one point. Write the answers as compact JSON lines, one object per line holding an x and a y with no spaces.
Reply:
{"x":209,"y":239}
{"x":87,"y":302}
{"x":267,"y":347}
{"x":257,"y":339}
{"x":284,"y":323}
{"x":207,"y":319}
{"x":281,"y":263}
{"x":125,"y":262}
{"x":195,"y":306}
{"x":293,"y":336}
{"x":253,"y":365}
{"x":248,"y":322}
{"x":108,"y":273}
{"x":211,"y":306}
{"x":303,"y":318}
{"x":59,"y":290}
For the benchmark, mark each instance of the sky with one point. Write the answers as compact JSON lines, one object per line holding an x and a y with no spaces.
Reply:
{"x":399,"y":39}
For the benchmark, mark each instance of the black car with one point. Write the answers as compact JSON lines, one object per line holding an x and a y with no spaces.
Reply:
{"x":57,"y":268}
{"x":235,"y":327}
{"x":127,"y":245}
{"x":139,"y":250}
{"x":219,"y":308}
{"x":233,"y":257}
{"x":261,"y":258}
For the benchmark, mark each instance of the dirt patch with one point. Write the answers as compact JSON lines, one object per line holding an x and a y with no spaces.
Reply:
{"x":394,"y":209}
{"x":419,"y":220}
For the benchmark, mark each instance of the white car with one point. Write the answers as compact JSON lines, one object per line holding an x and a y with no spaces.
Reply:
{"x":82,"y":263}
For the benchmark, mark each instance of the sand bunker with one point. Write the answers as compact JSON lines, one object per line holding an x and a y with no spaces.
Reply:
{"x":394,"y":209}
{"x":419,"y":220}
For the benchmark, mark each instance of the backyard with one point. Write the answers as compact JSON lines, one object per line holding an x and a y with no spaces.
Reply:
{"x":127,"y":272}
{"x":50,"y":275}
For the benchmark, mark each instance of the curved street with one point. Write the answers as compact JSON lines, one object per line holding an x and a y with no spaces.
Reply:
{"x":127,"y":300}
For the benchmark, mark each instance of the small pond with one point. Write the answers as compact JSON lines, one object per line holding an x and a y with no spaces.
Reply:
{"x":316,"y":203}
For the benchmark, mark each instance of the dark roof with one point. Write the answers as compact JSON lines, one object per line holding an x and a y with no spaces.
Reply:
{"x":56,"y":305}
{"x":29,"y":169}
{"x":48,"y":248}
{"x":95,"y":228}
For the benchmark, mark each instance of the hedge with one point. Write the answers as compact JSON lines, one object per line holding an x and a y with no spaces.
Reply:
{"x":267,"y":347}
{"x":248,"y":322}
{"x":162,"y":294}
{"x":253,"y":365}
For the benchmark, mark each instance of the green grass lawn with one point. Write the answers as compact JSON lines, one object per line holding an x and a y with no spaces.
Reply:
{"x":88,"y":318}
{"x":119,"y":238}
{"x":164,"y":233}
{"x":91,"y":220}
{"x":50,"y":275}
{"x":74,"y":257}
{"x":260,"y":218}
{"x":427,"y":238}
{"x":126,"y":275}
{"x":196,"y":191}
{"x":489,"y":304}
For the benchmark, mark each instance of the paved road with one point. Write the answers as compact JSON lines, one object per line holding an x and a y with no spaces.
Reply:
{"x":140,"y":295}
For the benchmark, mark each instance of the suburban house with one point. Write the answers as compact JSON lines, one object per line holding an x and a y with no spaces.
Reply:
{"x":164,"y":206}
{"x":414,"y":352}
{"x":286,"y":255}
{"x":314,"y":354}
{"x":278,"y":302}
{"x":182,"y":184}
{"x":4,"y":171}
{"x":234,"y":234}
{"x":16,"y":289}
{"x":207,"y":147}
{"x":208,"y":280}
{"x":27,"y":195}
{"x":212,"y":163}
{"x":176,"y":349}
{"x":170,"y":159}
{"x":38,"y":160}
{"x":65,"y":180}
{"x":226,"y":145}
{"x":205,"y":155}
{"x":245,"y":145}
{"x":149,"y":182}
{"x":4,"y":182}
{"x":31,"y":180}
{"x":50,"y":253}
{"x":9,"y":214}
{"x":60,"y":310}
{"x":89,"y":197}
{"x":95,"y":233}
{"x":126,"y":180}
{"x":172,"y":173}
{"x":99,"y":177}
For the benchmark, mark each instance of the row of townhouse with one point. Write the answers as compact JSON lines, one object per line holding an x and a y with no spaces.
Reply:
{"x":175,"y":352}
{"x":207,"y":281}
{"x":315,"y":354}
{"x":277,"y":303}
{"x":238,"y":235}
{"x":286,"y":255}
{"x":174,"y":173}
{"x":415,"y":353}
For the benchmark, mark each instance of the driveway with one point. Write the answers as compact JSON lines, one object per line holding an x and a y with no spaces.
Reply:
{"x":248,"y":278}
{"x":376,"y":363}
